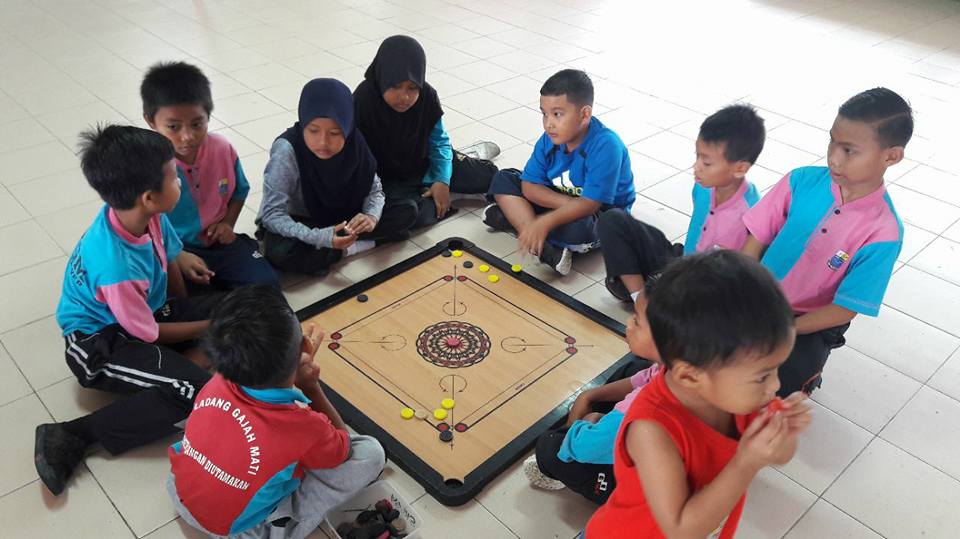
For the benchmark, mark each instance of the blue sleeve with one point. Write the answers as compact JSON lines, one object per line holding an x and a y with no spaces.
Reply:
{"x":603,"y":170}
{"x":591,"y":443}
{"x":752,"y":196}
{"x":171,"y":241}
{"x":440,"y":155}
{"x":865,"y":283}
{"x":536,"y":169}
{"x":243,"y":186}
{"x":701,"y":208}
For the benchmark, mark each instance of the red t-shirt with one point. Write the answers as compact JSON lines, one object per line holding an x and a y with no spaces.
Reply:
{"x":243,"y":451}
{"x":705,"y":452}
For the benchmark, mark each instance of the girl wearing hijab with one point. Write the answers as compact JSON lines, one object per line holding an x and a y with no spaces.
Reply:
{"x":322,"y":199}
{"x":399,"y":114}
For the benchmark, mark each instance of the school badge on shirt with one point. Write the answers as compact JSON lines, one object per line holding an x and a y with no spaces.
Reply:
{"x":836,"y":261}
{"x":223,"y":186}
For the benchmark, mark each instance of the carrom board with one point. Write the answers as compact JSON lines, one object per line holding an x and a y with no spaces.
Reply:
{"x":512,"y":354}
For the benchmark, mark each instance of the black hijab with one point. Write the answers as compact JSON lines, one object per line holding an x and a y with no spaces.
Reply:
{"x":400,"y":141}
{"x":333,"y":189}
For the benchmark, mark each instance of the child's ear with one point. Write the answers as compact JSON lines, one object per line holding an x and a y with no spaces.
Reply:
{"x":586,"y":112}
{"x":892,"y":156}
{"x":687,"y":375}
{"x":740,"y":169}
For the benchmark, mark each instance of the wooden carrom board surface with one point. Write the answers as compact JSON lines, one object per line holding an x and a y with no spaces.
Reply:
{"x":512,"y":354}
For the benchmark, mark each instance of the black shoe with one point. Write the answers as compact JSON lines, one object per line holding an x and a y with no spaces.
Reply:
{"x":56,"y":454}
{"x":616,"y":288}
{"x":560,"y":259}
{"x":494,"y":218}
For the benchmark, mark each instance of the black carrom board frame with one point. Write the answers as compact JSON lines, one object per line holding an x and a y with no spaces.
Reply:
{"x":457,"y":494}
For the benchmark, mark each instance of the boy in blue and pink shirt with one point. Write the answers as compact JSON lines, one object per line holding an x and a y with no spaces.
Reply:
{"x":177,"y":104}
{"x":127,"y":324}
{"x":729,"y":142}
{"x":831,"y":234}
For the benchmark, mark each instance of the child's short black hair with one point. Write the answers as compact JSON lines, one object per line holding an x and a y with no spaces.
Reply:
{"x":122,"y":162}
{"x":739,"y":128}
{"x":174,"y":83}
{"x":253,"y":339}
{"x":573,"y":83}
{"x":708,"y":308}
{"x":888,"y":113}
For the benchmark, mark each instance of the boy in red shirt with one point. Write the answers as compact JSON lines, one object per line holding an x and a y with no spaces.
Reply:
{"x":693,"y":440}
{"x":264,"y":453}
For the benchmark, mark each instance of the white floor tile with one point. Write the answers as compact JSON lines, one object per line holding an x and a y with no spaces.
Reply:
{"x":522,"y":89}
{"x":37,"y":349}
{"x":481,"y":103}
{"x":914,"y":240}
{"x":941,"y":258}
{"x":25,"y":244}
{"x":808,"y":138}
{"x":932,"y":182}
{"x":317,"y":64}
{"x":783,"y":158}
{"x":52,"y":193}
{"x":521,"y":507}
{"x":67,"y":399}
{"x":774,"y":504}
{"x":928,"y":427}
{"x":177,"y":529}
{"x":18,"y":419}
{"x":892,"y":338}
{"x":68,"y":225}
{"x":13,"y":385}
{"x":671,"y":222}
{"x":522,"y":122}
{"x":947,"y":379}
{"x":674,"y":192}
{"x":925,"y":212}
{"x":471,"y":521}
{"x":874,"y":488}
{"x":825,"y":520}
{"x":850,"y":382}
{"x":926,"y":297}
{"x":244,"y":108}
{"x":825,"y":449}
{"x":83,"y":511}
{"x":598,"y":297}
{"x":669,"y":148}
{"x":11,"y":211}
{"x":22,"y":134}
{"x":482,"y":73}
{"x":264,"y":131}
{"x":135,"y":482}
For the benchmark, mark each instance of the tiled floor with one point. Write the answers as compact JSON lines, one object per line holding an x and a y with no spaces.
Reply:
{"x":880,"y":459}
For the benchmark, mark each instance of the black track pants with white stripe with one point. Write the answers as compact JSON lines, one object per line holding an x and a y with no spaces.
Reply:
{"x":157,"y":383}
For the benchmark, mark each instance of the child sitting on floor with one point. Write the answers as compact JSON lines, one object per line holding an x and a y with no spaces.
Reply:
{"x":400,"y":116}
{"x":280,"y":453}
{"x":127,"y":323}
{"x":580,"y":455}
{"x":831,"y":234}
{"x":692,"y":440}
{"x":578,"y":169}
{"x":729,"y":143}
{"x":177,"y":104}
{"x":322,"y":198}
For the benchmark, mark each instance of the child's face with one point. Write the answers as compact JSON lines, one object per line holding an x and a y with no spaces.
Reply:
{"x":184,"y":125}
{"x":747,"y":384}
{"x":402,"y":96}
{"x":563,"y":121}
{"x":712,"y":169}
{"x":324,"y":137}
{"x":639,"y":337}
{"x":855,"y":156}
{"x":166,"y":199}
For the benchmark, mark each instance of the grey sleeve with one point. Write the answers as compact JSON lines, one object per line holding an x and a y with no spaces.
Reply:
{"x":281,"y":192}
{"x":375,"y":199}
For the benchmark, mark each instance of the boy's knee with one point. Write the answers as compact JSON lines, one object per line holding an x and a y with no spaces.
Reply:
{"x":367,"y":451}
{"x":613,"y":220}
{"x":505,"y":182}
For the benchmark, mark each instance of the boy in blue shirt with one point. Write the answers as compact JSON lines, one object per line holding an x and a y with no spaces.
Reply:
{"x":578,"y":169}
{"x":177,"y":104}
{"x":114,"y":311}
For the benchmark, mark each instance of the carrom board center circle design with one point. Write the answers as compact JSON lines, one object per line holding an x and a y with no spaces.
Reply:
{"x":453,"y":344}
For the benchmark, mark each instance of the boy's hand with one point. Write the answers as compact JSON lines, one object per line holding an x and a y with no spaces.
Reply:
{"x":343,"y":241}
{"x":221,"y":233}
{"x":440,"y":193}
{"x":592,"y":417}
{"x":533,"y":236}
{"x":581,"y":407}
{"x":768,"y":440}
{"x":361,"y":223}
{"x":308,"y":372}
{"x":796,"y":412}
{"x":194,"y":268}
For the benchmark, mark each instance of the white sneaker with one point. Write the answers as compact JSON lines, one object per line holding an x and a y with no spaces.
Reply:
{"x":536,"y":477}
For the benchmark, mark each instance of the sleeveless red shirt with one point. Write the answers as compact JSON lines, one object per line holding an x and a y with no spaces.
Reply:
{"x":705,"y":452}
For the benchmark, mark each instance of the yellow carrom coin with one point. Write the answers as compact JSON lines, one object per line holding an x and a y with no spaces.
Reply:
{"x":511,"y":355}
